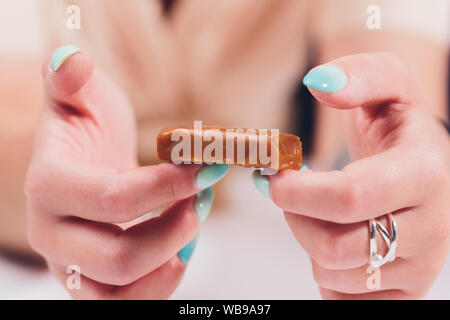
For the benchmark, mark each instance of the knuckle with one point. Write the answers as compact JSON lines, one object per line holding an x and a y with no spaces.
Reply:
{"x":113,"y":204}
{"x":169,"y":181}
{"x":172,"y":191}
{"x":351,"y":202}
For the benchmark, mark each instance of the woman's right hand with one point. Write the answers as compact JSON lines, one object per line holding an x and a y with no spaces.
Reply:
{"x":84,"y":180}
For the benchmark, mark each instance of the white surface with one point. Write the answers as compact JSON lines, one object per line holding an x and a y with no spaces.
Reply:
{"x":245,"y":252}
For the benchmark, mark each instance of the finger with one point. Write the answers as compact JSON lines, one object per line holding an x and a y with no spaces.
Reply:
{"x":86,"y":116}
{"x":76,"y":88}
{"x":159,"y":284}
{"x":101,"y":194}
{"x":398,"y":275}
{"x":362,"y":80}
{"x":111,"y":255}
{"x":379,"y":295}
{"x":77,"y":180}
{"x":66,"y":71}
{"x":346,"y":246}
{"x":365,"y":189}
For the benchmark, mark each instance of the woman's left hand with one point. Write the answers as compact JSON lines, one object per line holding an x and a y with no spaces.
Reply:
{"x":401,"y":166}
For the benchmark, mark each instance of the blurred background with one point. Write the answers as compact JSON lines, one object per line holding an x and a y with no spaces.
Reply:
{"x":232,"y":63}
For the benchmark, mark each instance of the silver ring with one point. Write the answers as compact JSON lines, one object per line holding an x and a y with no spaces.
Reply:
{"x":375,"y":259}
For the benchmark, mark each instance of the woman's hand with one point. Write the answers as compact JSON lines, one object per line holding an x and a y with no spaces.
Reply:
{"x":84,"y":180}
{"x":401,"y":166}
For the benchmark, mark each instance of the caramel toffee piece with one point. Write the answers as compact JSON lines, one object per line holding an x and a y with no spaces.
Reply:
{"x":257,"y":148}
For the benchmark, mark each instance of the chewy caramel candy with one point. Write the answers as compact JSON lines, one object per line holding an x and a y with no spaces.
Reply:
{"x":259,"y":148}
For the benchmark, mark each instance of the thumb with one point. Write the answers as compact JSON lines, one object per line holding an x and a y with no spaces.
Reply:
{"x":66,"y":71}
{"x":362,"y":80}
{"x":73,"y":85}
{"x":82,"y":100}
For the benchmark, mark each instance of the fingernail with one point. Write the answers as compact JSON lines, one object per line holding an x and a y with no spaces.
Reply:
{"x":327,"y":78}
{"x":185,"y":254}
{"x":261,"y":183}
{"x":62,"y":54}
{"x":208,"y":175}
{"x":203,"y":202}
{"x":304,"y":168}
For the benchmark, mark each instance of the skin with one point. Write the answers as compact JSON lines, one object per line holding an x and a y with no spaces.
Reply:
{"x":232,"y":62}
{"x":401,"y":165}
{"x":431,"y":75}
{"x":83,"y":180}
{"x":329,"y":268}
{"x":401,"y":158}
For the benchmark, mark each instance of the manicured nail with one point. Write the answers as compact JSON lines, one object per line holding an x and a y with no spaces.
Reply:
{"x":185,"y":254}
{"x":261,"y":183}
{"x":203,"y":202}
{"x":327,"y":78}
{"x":208,"y":175}
{"x":62,"y":54}
{"x":304,"y":168}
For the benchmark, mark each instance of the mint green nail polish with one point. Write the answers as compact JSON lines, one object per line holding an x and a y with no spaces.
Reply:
{"x":203,"y":202}
{"x":327,"y":78}
{"x":208,"y":175}
{"x":61,"y":54}
{"x":261,"y":183}
{"x":304,"y":168}
{"x":185,"y":254}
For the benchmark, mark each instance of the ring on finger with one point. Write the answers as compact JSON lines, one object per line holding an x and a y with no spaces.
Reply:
{"x":375,"y":259}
